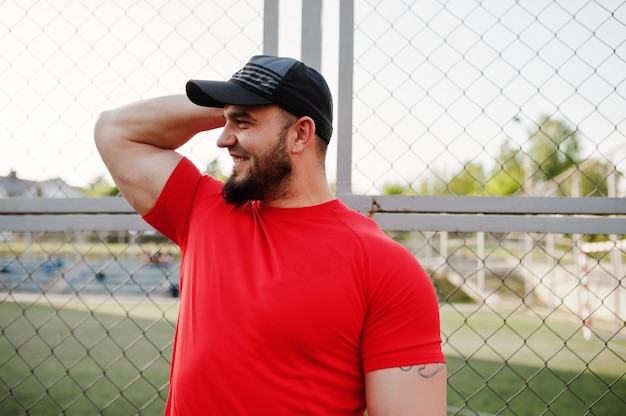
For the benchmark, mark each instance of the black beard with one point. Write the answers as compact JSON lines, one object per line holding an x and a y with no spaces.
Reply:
{"x":269,"y":176}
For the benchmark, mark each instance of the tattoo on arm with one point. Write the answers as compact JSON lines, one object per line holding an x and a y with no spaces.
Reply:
{"x":426,"y":370}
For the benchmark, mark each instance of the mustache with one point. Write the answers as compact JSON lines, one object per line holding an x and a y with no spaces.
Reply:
{"x":238,"y":150}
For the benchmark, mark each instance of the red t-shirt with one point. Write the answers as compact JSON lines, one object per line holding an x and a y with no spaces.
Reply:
{"x":282,"y":311}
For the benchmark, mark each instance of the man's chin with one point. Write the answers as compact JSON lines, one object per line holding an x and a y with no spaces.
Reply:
{"x":240,"y":170}
{"x":237,"y":191}
{"x":236,"y":177}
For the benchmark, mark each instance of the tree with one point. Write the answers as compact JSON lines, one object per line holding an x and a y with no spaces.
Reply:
{"x":100,"y":187}
{"x":586,"y":179}
{"x":469,"y":181}
{"x":594,"y":180}
{"x":507,"y":175}
{"x":554,"y":148}
{"x":213,"y":169}
{"x":397,"y":189}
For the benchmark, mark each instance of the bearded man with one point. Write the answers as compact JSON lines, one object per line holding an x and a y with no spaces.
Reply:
{"x":290,"y":302}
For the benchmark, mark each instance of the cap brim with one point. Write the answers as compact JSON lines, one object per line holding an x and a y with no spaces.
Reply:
{"x":220,"y":93}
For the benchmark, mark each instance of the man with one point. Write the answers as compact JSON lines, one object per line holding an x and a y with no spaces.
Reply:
{"x":291,"y":303}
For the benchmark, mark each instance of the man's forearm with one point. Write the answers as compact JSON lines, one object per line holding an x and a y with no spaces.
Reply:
{"x":165,"y":122}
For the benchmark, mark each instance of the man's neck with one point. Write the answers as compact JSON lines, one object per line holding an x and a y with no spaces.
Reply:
{"x":300,"y":198}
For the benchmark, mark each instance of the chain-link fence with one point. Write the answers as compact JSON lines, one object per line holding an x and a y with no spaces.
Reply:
{"x":468,"y":127}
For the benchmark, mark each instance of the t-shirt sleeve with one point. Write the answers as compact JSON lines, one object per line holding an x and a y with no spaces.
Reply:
{"x":170,"y":213}
{"x":402,"y":326}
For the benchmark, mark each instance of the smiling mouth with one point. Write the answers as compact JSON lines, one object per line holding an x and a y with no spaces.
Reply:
{"x":238,"y":159}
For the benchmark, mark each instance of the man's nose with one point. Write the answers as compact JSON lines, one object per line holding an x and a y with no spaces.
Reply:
{"x":226,"y":139}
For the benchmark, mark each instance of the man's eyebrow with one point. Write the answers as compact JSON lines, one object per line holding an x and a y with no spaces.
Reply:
{"x":237,"y":114}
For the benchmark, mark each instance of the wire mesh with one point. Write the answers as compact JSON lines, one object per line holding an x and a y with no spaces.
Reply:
{"x":450,"y":98}
{"x":488,"y":98}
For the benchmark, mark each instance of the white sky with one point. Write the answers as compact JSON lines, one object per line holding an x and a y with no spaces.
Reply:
{"x":465,"y":70}
{"x":460,"y":72}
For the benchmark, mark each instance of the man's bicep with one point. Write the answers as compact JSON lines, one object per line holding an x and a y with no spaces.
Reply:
{"x":146,"y":181}
{"x":140,"y":171}
{"x":410,"y":390}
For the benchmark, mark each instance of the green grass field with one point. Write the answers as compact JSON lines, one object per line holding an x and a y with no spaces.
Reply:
{"x":83,"y":363}
{"x":523,"y":365}
{"x":115,"y":361}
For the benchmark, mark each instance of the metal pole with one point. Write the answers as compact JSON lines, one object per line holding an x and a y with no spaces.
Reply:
{"x":311,"y":46}
{"x":616,"y":254}
{"x":344,"y":101}
{"x":480,"y":264}
{"x":270,"y":27}
{"x":585,"y":308}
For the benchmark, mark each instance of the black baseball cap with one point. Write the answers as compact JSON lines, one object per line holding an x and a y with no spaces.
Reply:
{"x":286,"y":82}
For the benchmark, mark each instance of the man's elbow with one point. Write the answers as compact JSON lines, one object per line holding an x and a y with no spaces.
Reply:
{"x":101,"y":126}
{"x":106,"y":133}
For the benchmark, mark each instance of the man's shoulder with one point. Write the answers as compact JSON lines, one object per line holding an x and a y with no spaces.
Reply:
{"x":364,"y":227}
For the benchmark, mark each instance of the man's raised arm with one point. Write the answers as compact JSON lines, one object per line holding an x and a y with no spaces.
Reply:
{"x":137,"y":143}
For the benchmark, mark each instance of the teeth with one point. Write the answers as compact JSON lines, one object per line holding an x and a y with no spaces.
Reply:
{"x":239,"y":158}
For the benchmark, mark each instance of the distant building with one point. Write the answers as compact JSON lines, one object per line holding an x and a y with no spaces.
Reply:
{"x":13,"y":187}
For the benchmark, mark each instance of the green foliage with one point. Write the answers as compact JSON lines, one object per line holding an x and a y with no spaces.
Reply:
{"x":554,"y":149}
{"x":593,"y":180}
{"x":397,"y":189}
{"x":552,"y":158}
{"x":213,"y":169}
{"x":435,"y":184}
{"x":100,"y":187}
{"x":507,"y":175}
{"x":467,"y":182}
{"x":590,"y":181}
{"x":447,"y":292}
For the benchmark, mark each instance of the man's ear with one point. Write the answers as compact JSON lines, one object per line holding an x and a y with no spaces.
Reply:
{"x":305,"y":130}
